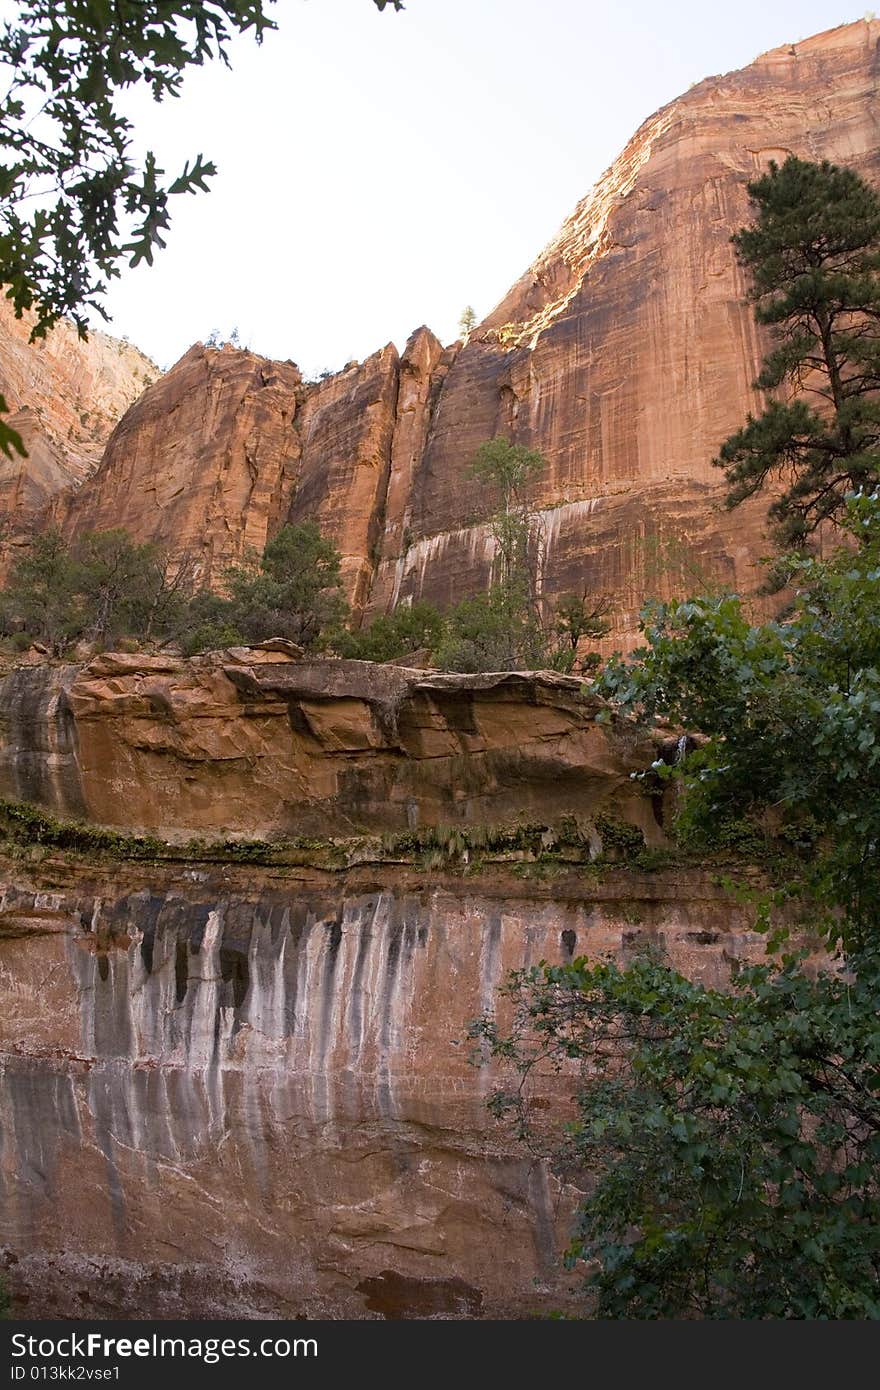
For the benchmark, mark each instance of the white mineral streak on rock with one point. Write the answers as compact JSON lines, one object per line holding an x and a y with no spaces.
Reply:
{"x":548,"y":524}
{"x":264,"y":1004}
{"x":476,"y":541}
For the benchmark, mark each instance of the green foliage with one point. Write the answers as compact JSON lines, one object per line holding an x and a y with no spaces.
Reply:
{"x":11,"y":441}
{"x":467,"y":321}
{"x":791,"y":714}
{"x":40,"y":593}
{"x":500,"y":630}
{"x":31,"y":825}
{"x":494,"y":631}
{"x":118,"y":584}
{"x":728,"y":1141}
{"x":107,"y":589}
{"x":507,"y":469}
{"x":103,"y":587}
{"x":504,"y":629}
{"x":75,"y":204}
{"x":410,"y":628}
{"x":207,"y":624}
{"x":292,"y":591}
{"x":578,"y":616}
{"x":814,"y":256}
{"x":731,"y":1139}
{"x":65,"y":140}
{"x":565,"y":842}
{"x":620,"y":840}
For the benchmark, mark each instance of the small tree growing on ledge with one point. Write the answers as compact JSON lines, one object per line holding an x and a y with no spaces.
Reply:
{"x":503,"y":629}
{"x":292,"y":590}
{"x":814,"y":256}
{"x":467,"y":322}
{"x":500,"y":630}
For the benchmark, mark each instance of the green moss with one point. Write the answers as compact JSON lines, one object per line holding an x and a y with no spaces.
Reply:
{"x":620,"y":840}
{"x":529,"y":849}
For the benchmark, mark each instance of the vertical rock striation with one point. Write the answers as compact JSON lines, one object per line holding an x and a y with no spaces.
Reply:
{"x":204,"y":462}
{"x":346,"y":429}
{"x":226,"y":1098}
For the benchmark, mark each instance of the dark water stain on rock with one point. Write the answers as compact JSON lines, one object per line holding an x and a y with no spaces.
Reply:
{"x":397,"y":1296}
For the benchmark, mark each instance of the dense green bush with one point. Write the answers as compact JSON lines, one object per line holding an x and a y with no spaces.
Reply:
{"x":410,"y":628}
{"x":106,"y":589}
{"x":101,"y":587}
{"x":292,"y":590}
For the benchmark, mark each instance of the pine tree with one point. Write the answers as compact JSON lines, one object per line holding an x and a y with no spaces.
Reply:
{"x":467,"y":321}
{"x":814,"y":256}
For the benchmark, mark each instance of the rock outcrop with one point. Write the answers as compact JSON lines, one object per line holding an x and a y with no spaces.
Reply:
{"x":222,"y":1095}
{"x":625,"y":354}
{"x":346,"y":431}
{"x":65,"y":396}
{"x":240,"y":744}
{"x":204,"y":462}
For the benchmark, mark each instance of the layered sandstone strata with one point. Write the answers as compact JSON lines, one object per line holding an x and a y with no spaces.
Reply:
{"x":239,"y":743}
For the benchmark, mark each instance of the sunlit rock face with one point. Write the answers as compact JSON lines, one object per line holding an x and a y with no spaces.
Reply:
{"x":202,"y":464}
{"x":625,"y":354}
{"x":234,"y":742}
{"x":221,"y":1097}
{"x":65,"y":394}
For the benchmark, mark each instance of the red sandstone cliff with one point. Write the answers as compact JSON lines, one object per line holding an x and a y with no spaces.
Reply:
{"x":625,"y":354}
{"x":65,"y":396}
{"x":205,"y":461}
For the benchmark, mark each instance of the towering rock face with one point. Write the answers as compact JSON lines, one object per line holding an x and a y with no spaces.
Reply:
{"x":346,"y":430}
{"x":66,"y":395}
{"x":229,"y":446}
{"x":625,"y":354}
{"x":204,"y":462}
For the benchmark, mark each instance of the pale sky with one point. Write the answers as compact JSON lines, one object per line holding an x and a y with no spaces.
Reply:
{"x":380,"y":171}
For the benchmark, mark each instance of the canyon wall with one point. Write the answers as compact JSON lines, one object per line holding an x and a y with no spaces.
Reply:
{"x":65,"y":396}
{"x":246,"y":743}
{"x":203,"y":463}
{"x":245,"y":1089}
{"x":227,"y":1092}
{"x":625,"y":354}
{"x":237,"y":1084}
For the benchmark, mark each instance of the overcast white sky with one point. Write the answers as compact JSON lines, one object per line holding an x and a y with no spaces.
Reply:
{"x":379,"y":171}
